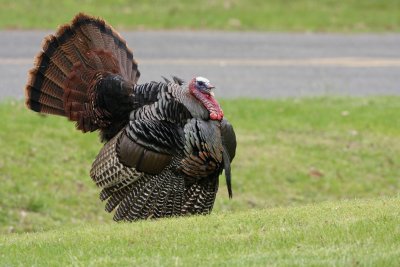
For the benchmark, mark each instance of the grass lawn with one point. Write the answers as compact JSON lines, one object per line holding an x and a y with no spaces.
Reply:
{"x":258,"y":15}
{"x":316,"y":183}
{"x":347,"y":233}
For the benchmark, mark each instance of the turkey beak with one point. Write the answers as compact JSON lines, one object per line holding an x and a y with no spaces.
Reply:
{"x":210,"y":86}
{"x":209,"y":89}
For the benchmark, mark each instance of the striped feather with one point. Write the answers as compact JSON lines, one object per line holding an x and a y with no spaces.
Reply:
{"x":64,"y":71}
{"x":128,"y":200}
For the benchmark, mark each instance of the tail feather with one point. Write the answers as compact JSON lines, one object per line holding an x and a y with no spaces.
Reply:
{"x":44,"y":85}
{"x":68,"y":67}
{"x":47,"y":69}
{"x":45,"y":100}
{"x":106,"y":37}
{"x":46,"y":109}
{"x":52,"y":50}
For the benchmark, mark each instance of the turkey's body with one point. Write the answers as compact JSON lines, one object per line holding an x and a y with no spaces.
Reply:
{"x":165,"y":143}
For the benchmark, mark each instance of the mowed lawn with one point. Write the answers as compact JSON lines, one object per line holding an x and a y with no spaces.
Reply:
{"x":345,"y":233}
{"x":316,"y":182}
{"x":259,"y":15}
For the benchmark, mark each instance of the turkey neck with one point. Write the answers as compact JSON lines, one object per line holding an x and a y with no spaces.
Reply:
{"x":210,"y":103}
{"x":199,"y":105}
{"x":194,"y":106}
{"x":186,"y":98}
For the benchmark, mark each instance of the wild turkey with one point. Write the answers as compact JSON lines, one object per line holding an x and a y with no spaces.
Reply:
{"x":166,"y":143}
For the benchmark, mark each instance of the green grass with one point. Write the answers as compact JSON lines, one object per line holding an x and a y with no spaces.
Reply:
{"x":290,"y":152}
{"x":347,"y":233}
{"x":259,"y":15}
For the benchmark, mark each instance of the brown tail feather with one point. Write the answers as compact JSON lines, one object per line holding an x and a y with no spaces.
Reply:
{"x":70,"y":62}
{"x":44,"y":99}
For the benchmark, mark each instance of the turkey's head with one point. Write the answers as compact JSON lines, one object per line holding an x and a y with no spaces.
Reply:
{"x":201,"y":89}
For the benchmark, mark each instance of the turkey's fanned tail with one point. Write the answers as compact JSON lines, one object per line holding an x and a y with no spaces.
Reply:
{"x":68,"y":70}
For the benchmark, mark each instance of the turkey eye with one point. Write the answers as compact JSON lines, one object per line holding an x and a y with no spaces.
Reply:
{"x":200,"y":83}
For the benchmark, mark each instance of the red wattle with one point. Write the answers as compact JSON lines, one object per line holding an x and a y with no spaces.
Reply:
{"x":214,"y":116}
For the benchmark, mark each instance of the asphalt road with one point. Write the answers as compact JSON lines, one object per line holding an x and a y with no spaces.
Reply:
{"x":241,"y":64}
